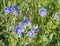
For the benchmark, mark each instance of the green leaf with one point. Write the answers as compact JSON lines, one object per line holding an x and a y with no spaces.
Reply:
{"x":51,"y":37}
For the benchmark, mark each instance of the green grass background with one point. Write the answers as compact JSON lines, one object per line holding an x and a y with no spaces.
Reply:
{"x":49,"y":29}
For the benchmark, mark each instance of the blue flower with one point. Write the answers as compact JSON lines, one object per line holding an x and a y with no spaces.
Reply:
{"x":42,"y":11}
{"x":35,"y":28}
{"x":25,"y":23}
{"x":7,"y":10}
{"x":16,"y":12}
{"x":31,"y":33}
{"x":19,"y":29}
{"x":11,"y":9}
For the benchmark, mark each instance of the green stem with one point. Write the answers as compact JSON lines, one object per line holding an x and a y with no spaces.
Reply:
{"x":15,"y":2}
{"x":23,"y":40}
{"x":4,"y":3}
{"x":5,"y":16}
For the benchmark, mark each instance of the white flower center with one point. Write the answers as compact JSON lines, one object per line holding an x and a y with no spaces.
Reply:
{"x":18,"y":30}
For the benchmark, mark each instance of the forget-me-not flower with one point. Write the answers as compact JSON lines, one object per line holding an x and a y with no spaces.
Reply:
{"x":25,"y":23}
{"x":42,"y":11}
{"x":16,"y":12}
{"x":12,"y":8}
{"x":19,"y":29}
{"x":31,"y":33}
{"x":7,"y":10}
{"x":35,"y":28}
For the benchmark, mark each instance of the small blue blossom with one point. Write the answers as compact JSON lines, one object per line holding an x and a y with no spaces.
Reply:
{"x":16,"y":12}
{"x":25,"y":23}
{"x":31,"y":33}
{"x":35,"y":28}
{"x":42,"y":11}
{"x":12,"y":8}
{"x":7,"y":10}
{"x":19,"y":29}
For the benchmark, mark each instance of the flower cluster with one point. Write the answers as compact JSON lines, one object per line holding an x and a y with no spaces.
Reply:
{"x":31,"y":33}
{"x":19,"y":29}
{"x":11,"y":9}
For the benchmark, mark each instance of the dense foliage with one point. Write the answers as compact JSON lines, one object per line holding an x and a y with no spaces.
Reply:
{"x":29,"y":22}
